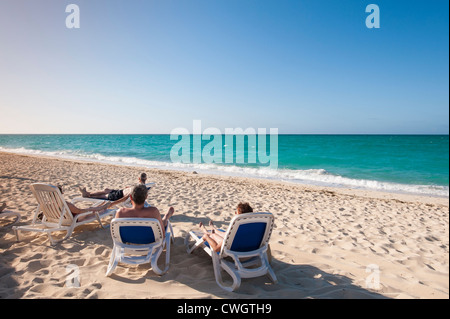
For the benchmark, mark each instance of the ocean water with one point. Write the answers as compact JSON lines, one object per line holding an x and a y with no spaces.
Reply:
{"x":416,"y":164}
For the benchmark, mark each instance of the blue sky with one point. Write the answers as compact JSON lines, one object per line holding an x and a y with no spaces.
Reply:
{"x":304,"y":66}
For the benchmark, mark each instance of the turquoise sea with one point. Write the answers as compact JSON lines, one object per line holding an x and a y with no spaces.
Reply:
{"x":397,"y":163}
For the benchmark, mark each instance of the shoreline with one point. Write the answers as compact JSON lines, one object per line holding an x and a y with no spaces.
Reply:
{"x":323,"y":241}
{"x":365,"y":192}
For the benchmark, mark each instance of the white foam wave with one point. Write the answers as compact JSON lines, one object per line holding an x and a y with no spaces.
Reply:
{"x":319,"y":177}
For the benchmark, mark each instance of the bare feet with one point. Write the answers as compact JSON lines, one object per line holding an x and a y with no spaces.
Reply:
{"x":213,"y":229}
{"x":170,"y":213}
{"x":202,"y":227}
{"x":84,"y":192}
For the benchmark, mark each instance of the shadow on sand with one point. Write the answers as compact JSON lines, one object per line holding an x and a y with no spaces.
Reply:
{"x":295,"y":281}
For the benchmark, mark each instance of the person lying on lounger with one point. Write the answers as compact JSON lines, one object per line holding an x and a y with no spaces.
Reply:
{"x":118,"y":195}
{"x":138,"y":210}
{"x":215,"y":237}
{"x":75,"y":210}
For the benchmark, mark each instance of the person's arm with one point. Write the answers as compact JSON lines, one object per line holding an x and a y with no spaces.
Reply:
{"x":153,"y":212}
{"x":157,"y":215}
{"x":123,"y":199}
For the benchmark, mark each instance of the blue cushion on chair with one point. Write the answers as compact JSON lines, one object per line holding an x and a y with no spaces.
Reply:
{"x":248,"y":237}
{"x":140,"y":235}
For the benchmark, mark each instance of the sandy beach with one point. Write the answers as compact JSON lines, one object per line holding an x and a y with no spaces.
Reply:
{"x":326,"y":242}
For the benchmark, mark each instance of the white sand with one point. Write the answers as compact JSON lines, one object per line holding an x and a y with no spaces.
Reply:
{"x":324,"y":239}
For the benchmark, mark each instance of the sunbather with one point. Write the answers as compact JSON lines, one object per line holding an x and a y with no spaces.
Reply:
{"x":215,"y":237}
{"x":113,"y":194}
{"x":138,"y":210}
{"x":75,"y":210}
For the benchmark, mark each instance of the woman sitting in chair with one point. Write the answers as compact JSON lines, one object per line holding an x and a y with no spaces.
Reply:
{"x":215,"y":237}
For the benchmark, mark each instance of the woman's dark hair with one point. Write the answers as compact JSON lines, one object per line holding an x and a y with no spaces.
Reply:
{"x":244,"y":208}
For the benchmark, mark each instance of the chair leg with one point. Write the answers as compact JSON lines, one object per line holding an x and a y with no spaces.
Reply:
{"x":156,"y":255}
{"x":198,"y":243}
{"x":186,"y":243}
{"x":218,"y":265}
{"x":172,"y":236}
{"x":270,"y":272}
{"x":97,"y":216}
{"x":272,"y":275}
{"x":16,"y":232}
{"x":54,"y":242}
{"x":112,"y":263}
{"x":168,"y":250}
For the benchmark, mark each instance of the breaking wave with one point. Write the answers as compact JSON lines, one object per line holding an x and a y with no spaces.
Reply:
{"x":318,"y":177}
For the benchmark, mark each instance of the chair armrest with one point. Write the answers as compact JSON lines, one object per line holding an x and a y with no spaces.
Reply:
{"x":90,"y":200}
{"x":94,"y":203}
{"x":237,"y":256}
{"x":249,"y":254}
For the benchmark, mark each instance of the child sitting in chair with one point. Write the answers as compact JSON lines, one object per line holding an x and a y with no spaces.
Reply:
{"x":215,"y":237}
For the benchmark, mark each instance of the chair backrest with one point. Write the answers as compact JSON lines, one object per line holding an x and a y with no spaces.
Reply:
{"x":52,"y":203}
{"x":136,"y":231}
{"x":248,"y":232}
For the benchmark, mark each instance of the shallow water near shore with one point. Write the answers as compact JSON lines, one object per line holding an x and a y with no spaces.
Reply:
{"x":417,"y":164}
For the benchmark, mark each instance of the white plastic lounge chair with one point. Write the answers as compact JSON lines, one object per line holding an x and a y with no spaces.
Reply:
{"x":8,"y":213}
{"x":56,"y":214}
{"x":126,"y":203}
{"x":246,"y":242}
{"x":139,"y":241}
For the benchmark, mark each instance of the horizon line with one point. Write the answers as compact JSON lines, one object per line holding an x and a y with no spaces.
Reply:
{"x":224,"y":134}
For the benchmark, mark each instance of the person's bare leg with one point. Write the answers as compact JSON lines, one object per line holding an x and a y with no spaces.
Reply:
{"x":217,"y":238}
{"x":101,"y":195}
{"x":216,"y":230}
{"x":212,"y":235}
{"x":202,"y":227}
{"x":211,"y":224}
{"x":167,"y":216}
{"x":84,"y":192}
{"x":215,"y":246}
